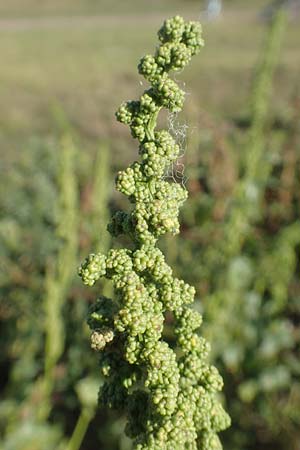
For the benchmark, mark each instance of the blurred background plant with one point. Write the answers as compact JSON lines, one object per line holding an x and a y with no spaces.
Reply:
{"x":68,"y":65}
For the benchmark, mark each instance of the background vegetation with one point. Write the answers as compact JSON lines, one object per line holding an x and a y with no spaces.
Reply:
{"x":65,"y":68}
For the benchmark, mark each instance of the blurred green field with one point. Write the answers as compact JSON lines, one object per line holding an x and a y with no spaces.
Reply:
{"x":35,"y":8}
{"x":88,"y":64}
{"x":66,"y":67}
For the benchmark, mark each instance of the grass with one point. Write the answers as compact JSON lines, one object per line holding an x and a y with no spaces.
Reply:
{"x":89,"y":66}
{"x":36,"y":8}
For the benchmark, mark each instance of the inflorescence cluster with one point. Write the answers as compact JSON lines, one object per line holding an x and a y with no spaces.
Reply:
{"x":167,"y":390}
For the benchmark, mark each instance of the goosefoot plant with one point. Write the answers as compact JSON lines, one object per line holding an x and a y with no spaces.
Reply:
{"x":168,"y":391}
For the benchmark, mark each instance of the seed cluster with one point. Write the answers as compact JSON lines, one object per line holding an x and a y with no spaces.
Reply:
{"x":168,"y":390}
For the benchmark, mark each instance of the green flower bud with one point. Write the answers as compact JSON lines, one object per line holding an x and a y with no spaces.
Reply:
{"x":192,"y":37}
{"x":148,"y":67}
{"x":169,"y":94}
{"x":100,"y":338}
{"x":93,"y":268}
{"x":127,"y":111}
{"x":172,"y":30}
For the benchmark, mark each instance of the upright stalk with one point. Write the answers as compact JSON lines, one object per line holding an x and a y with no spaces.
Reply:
{"x":60,"y":273}
{"x":166,"y":387}
{"x":247,"y":196}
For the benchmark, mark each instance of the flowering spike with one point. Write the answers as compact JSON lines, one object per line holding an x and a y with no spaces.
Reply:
{"x":170,"y":397}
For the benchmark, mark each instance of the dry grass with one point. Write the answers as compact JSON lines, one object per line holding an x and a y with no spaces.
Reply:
{"x":89,"y":67}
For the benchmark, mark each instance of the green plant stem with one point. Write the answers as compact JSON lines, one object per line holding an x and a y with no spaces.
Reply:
{"x":151,"y":126}
{"x":261,"y":94}
{"x":247,"y":196}
{"x":80,"y":429}
{"x":257,"y":165}
{"x":100,"y":198}
{"x":59,"y":274}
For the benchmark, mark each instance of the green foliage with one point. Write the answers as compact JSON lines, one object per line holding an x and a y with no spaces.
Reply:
{"x":41,"y":317}
{"x":31,"y":436}
{"x":27,"y":205}
{"x":167,"y":391}
{"x":245,"y":202}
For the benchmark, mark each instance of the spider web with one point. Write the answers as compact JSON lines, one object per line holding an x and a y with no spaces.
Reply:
{"x":179,"y":132}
